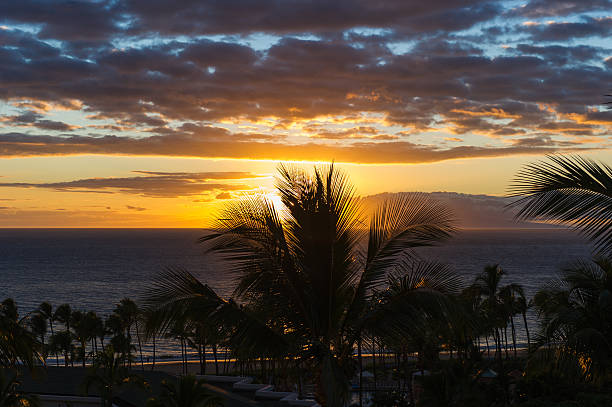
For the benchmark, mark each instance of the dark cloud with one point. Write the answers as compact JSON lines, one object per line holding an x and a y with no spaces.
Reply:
{"x":90,"y":22}
{"x":152,"y":184}
{"x":141,"y":67}
{"x":365,"y":152}
{"x":64,"y":19}
{"x":293,"y":79}
{"x":562,"y":55}
{"x":550,"y":8}
{"x":563,"y":31}
{"x":36,"y":120}
{"x":296,"y":16}
{"x":136,"y":208}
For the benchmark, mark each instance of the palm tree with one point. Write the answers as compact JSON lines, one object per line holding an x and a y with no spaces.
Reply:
{"x":63,"y":314}
{"x":93,"y":325}
{"x":38,"y":325}
{"x":17,"y":343}
{"x":570,"y":190}
{"x":576,"y":316}
{"x":522,"y":307}
{"x":61,"y":342}
{"x":108,"y":373}
{"x":499,"y":302}
{"x":11,"y":397}
{"x":188,"y":392}
{"x":46,"y":310}
{"x":303,"y":281}
{"x":129,"y":314}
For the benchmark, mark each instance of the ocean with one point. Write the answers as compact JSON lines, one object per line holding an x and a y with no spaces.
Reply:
{"x":92,"y":269}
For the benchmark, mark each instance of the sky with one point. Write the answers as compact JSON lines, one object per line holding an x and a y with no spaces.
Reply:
{"x":155,"y":113}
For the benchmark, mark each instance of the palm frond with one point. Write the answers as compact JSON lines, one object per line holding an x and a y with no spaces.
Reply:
{"x":400,"y":224}
{"x":177,"y":295}
{"x":417,"y":296}
{"x":569,"y":190}
{"x":322,"y":228}
{"x":174,"y":294}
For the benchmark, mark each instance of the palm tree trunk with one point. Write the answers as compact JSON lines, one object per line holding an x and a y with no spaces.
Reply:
{"x":139,"y":345}
{"x":52,"y":333}
{"x":200,"y":356}
{"x":183,"y":356}
{"x":154,"y":354}
{"x":513,"y":336}
{"x":374,"y":363}
{"x":360,"y":359}
{"x":526,"y":330}
{"x":506,"y":342}
{"x":214,"y":348}
{"x":84,"y":353}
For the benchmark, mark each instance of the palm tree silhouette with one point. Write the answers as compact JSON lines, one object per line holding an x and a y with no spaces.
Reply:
{"x":570,"y":190}
{"x":10,"y":396}
{"x":500,"y":303}
{"x":46,"y":310}
{"x":576,"y":317}
{"x":108,"y":373}
{"x":61,"y":342}
{"x":17,"y":343}
{"x":129,"y":314}
{"x":38,"y":324}
{"x":303,"y":280}
{"x":63,"y":314}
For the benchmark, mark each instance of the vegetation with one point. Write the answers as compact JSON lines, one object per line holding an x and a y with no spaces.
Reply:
{"x":303,"y":284}
{"x":322,"y":303}
{"x":10,"y":396}
{"x":570,"y":190}
{"x":108,"y":373}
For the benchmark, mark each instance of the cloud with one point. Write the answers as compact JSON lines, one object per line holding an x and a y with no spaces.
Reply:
{"x":224,"y":195}
{"x":12,"y":145}
{"x":561,"y":31}
{"x":562,"y":55}
{"x":32,"y":119}
{"x":155,"y":184}
{"x":135,"y":208}
{"x":280,"y":79}
{"x":548,"y":8}
{"x":236,"y":16}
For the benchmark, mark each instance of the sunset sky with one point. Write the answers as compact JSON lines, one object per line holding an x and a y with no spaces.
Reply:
{"x":154,"y":113}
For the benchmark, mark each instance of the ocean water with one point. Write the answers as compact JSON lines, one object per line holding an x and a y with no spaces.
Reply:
{"x":92,"y":269}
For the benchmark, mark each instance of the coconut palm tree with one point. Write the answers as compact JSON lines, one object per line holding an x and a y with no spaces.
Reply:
{"x":576,"y":316}
{"x":38,"y":326}
{"x":188,"y":392}
{"x":46,"y":310}
{"x":63,"y":314}
{"x":499,"y":302}
{"x":80,"y":333}
{"x":570,"y":190}
{"x":61,"y":342}
{"x":303,"y":280}
{"x":108,"y":373}
{"x":10,"y":396}
{"x":93,"y":324}
{"x":129,"y":314}
{"x":17,"y":343}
